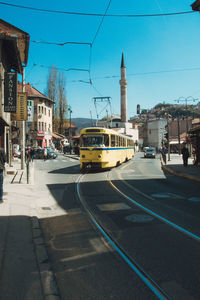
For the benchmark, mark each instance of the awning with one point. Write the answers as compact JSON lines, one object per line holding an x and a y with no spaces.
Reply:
{"x":57,"y":137}
{"x":3,"y":122}
{"x":176,"y":142}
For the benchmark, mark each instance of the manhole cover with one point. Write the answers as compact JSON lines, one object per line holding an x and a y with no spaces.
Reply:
{"x":194,"y":199}
{"x":160,"y":195}
{"x":139,"y":218}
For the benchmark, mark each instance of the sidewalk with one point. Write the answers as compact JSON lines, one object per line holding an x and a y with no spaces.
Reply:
{"x":25,"y":271}
{"x":175,"y":167}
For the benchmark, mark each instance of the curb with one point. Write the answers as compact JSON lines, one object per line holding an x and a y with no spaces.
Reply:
{"x":48,"y":280}
{"x":190,"y":177}
{"x":71,"y":156}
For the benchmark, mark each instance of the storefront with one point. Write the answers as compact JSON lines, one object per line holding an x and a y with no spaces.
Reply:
{"x":195,"y":140}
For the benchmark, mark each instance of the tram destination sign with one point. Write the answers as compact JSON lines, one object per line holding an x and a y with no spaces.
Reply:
{"x":10,"y":92}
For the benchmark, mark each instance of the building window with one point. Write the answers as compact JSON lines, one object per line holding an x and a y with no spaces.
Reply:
{"x":39,"y":126}
{"x":45,"y":126}
{"x":42,"y":109}
{"x":35,"y":109}
{"x":35,"y":124}
{"x":45,"y":111}
{"x":42,"y":125}
{"x":39,"y":109}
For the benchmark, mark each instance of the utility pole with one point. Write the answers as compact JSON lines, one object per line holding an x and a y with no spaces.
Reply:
{"x":168,"y":140}
{"x":179,"y":139}
{"x":22,"y":128}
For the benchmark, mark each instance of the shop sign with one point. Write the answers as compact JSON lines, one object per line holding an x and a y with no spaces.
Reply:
{"x":21,"y":114}
{"x":10,"y":92}
{"x":30,"y":109}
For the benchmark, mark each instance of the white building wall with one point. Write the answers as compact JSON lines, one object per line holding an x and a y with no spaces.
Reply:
{"x":155,"y":132}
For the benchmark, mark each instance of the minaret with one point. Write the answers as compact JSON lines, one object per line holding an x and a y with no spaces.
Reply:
{"x":123,"y":86}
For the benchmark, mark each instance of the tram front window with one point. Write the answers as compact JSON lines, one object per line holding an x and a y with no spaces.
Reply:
{"x":95,"y":140}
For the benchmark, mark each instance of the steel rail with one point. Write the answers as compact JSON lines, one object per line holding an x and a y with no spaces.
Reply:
{"x":149,"y":211}
{"x":149,"y":282}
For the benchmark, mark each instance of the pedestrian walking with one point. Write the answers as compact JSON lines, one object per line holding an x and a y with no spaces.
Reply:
{"x":185,"y":155}
{"x":32,"y":152}
{"x":45,"y":154}
{"x":2,"y":166}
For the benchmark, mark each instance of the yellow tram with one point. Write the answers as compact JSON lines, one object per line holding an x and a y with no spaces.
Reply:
{"x":104,"y":148}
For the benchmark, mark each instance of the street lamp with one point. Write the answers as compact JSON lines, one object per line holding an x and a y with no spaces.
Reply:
{"x":70,"y":112}
{"x":186,"y":100}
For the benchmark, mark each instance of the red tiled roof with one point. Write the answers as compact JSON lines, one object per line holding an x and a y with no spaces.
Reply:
{"x":31,"y":91}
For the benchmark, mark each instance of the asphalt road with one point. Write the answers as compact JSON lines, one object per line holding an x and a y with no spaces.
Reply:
{"x":86,"y":266}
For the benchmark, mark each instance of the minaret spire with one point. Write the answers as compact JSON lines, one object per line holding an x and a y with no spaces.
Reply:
{"x":122,"y":61}
{"x":123,"y":86}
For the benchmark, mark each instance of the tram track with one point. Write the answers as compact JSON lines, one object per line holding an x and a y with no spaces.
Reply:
{"x":149,"y":211}
{"x":157,"y":290}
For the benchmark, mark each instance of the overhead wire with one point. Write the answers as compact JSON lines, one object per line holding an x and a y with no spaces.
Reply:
{"x":96,"y":14}
{"x":96,"y":34}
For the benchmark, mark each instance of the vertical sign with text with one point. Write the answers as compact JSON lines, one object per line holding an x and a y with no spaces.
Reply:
{"x":10,"y":92}
{"x":21,"y":114}
{"x":30,"y":105}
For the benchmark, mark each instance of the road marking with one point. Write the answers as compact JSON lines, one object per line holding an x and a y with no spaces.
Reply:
{"x":177,"y":227}
{"x":152,"y":285}
{"x":138,"y":218}
{"x":113,"y":206}
{"x":167,"y":195}
{"x":194,"y":199}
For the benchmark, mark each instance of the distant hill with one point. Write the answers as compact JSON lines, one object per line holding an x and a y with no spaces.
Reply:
{"x":82,"y":123}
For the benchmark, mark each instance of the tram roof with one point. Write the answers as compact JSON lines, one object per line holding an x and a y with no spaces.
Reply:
{"x":92,"y":130}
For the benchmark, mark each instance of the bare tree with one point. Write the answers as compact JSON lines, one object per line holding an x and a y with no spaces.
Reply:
{"x":52,"y":91}
{"x":56,"y":91}
{"x":62,"y":101}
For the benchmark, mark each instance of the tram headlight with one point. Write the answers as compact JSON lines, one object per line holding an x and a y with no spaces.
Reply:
{"x":99,"y":156}
{"x":83,"y":156}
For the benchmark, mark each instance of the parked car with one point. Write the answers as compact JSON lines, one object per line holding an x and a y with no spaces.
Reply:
{"x":51,"y":153}
{"x":150,"y":152}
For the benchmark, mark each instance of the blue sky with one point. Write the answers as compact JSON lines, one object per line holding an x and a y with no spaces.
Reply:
{"x":159,"y":52}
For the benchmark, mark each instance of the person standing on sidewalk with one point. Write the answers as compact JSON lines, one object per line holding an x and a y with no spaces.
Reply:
{"x":2,"y":166}
{"x":45,"y":154}
{"x":32,"y":152}
{"x":185,"y":155}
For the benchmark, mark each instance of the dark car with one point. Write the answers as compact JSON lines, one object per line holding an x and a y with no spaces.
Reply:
{"x":150,"y":152}
{"x":51,"y":153}
{"x":39,"y":153}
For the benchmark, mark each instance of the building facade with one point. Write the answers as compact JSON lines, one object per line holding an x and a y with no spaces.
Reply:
{"x":14,"y":45}
{"x":39,"y":123}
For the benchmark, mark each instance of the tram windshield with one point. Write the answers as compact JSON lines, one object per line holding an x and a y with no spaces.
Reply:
{"x":100,"y":140}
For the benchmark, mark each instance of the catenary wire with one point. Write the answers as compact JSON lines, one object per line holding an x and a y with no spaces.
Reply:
{"x":97,"y":14}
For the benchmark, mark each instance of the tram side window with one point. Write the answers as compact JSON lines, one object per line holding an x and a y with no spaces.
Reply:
{"x":112,"y":140}
{"x":116,"y":141}
{"x":106,"y":140}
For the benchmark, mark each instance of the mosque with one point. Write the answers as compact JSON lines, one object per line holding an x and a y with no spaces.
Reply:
{"x":120,"y":123}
